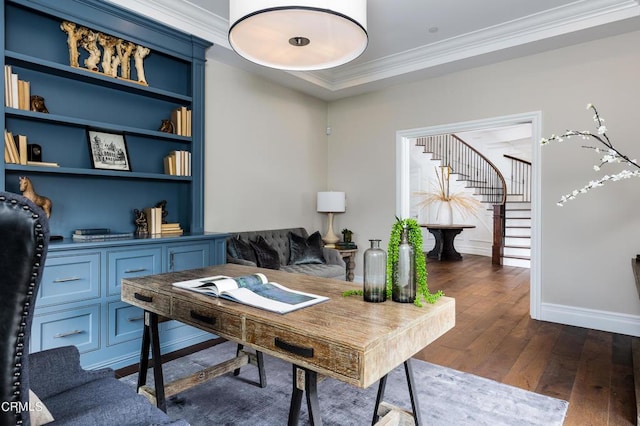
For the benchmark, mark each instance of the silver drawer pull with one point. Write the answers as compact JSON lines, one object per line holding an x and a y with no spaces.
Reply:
{"x":67,"y":334}
{"x":131,"y":271}
{"x":66,"y":280}
{"x":134,"y":319}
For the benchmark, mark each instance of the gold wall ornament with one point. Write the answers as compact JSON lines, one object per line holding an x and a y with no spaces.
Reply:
{"x":90,"y":43}
{"x":115,"y":53}
{"x":139,"y":55}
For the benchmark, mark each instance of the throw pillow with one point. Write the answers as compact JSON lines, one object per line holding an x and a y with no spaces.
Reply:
{"x":38,"y":413}
{"x":266,"y":256}
{"x":305,"y":250}
{"x":240,"y":249}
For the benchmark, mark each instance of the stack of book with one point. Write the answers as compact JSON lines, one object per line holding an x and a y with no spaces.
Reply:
{"x":99,"y":234}
{"x":178,"y":163}
{"x":16,"y":92}
{"x":171,"y":229}
{"x":16,"y":152}
{"x":181,"y":120}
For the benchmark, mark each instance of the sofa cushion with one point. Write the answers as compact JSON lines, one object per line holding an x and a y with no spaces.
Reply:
{"x":266,"y":256}
{"x":305,"y":250}
{"x":318,"y":270}
{"x":241,"y":249}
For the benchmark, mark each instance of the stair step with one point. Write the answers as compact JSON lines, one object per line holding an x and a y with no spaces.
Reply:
{"x":517,"y":257}
{"x":516,"y":253}
{"x":519,"y":263}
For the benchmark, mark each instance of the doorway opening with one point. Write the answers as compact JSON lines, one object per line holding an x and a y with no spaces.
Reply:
{"x":406,"y":177}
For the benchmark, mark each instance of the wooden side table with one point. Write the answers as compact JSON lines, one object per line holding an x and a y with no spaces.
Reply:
{"x":349,"y":256}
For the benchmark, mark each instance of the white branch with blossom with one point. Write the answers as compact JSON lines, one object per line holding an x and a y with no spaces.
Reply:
{"x":609,"y":155}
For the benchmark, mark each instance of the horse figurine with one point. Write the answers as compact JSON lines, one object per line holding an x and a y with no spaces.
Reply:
{"x":27,"y":191}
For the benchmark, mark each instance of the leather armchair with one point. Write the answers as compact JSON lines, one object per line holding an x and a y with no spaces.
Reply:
{"x":74,"y":396}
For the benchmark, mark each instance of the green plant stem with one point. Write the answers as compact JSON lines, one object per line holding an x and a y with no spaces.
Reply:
{"x":415,"y":239}
{"x":348,"y":293}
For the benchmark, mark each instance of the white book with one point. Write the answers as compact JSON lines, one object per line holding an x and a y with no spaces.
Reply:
{"x":253,"y":290}
{"x":15,"y":99}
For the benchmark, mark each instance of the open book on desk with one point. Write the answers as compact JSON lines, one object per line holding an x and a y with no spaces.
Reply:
{"x":253,"y":290}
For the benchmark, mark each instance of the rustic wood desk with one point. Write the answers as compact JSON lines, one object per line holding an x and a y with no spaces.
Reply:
{"x":349,"y":256}
{"x":445,"y":235}
{"x":344,"y":338}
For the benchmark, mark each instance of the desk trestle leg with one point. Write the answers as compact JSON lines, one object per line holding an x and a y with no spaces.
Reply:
{"x":304,"y":381}
{"x":392,"y":411}
{"x":158,"y":394}
{"x":259,"y":362}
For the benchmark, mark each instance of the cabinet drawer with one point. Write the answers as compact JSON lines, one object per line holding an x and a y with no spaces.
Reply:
{"x":147,"y":299}
{"x":340,"y":360}
{"x":69,"y":279}
{"x":79,"y":327}
{"x":210,"y":318}
{"x":125,"y":323}
{"x":131,"y":264}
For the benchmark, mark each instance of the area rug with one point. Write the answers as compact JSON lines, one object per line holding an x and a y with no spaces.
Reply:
{"x":446,"y":397}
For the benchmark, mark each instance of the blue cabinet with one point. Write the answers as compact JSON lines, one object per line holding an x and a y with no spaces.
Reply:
{"x":79,"y":299}
{"x":79,"y":302}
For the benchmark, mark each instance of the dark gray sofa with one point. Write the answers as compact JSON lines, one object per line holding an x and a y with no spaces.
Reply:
{"x":333,"y":267}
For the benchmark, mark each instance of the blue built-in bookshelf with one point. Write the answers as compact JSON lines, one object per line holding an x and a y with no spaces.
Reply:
{"x":77,"y":100}
{"x":79,"y":299}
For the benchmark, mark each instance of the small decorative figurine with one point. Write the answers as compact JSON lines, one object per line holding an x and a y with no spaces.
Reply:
{"x":108,"y":44}
{"x":37,"y":104}
{"x":166,"y":126}
{"x":28,"y":192}
{"x":90,"y":43}
{"x":139,"y":55}
{"x":142,"y":228}
{"x":124,"y":50}
{"x":73,"y":37}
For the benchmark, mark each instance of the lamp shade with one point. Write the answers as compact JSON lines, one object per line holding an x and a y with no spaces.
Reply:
{"x":331,"y":202}
{"x":298,"y":35}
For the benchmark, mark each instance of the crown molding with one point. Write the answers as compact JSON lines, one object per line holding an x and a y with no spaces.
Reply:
{"x":184,"y":16}
{"x":551,"y":23}
{"x":563,"y":20}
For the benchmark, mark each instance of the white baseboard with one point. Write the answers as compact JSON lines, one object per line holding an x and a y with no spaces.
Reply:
{"x":591,"y":318}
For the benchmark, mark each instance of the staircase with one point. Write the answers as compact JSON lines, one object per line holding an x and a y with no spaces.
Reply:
{"x":512,"y":243}
{"x":517,"y":227}
{"x":517,"y":233}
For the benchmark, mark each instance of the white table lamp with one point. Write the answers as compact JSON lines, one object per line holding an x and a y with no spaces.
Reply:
{"x":331,"y":202}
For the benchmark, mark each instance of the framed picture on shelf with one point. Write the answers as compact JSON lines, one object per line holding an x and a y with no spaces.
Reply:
{"x":108,"y":151}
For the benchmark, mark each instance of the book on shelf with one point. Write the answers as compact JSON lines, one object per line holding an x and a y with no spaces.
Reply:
{"x":171,"y":229}
{"x":22,"y":148}
{"x":253,"y":290}
{"x":14,"y":91}
{"x":42,"y":164}
{"x":91,"y":231}
{"x":154,"y":219}
{"x":102,"y":237}
{"x":7,"y":85}
{"x":181,"y":120}
{"x":24,"y":95}
{"x":10,"y":145}
{"x":178,"y":163}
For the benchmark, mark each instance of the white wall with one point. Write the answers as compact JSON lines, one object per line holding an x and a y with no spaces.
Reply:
{"x":586,"y":246}
{"x":266,"y":153}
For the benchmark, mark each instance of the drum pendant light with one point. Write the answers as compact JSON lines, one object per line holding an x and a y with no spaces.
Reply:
{"x":303,"y":36}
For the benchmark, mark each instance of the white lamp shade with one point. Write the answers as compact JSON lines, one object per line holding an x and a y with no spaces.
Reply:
{"x":263,"y":32}
{"x":331,"y":202}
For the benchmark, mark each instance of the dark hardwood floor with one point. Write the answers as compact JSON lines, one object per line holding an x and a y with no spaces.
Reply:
{"x":494,"y":337}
